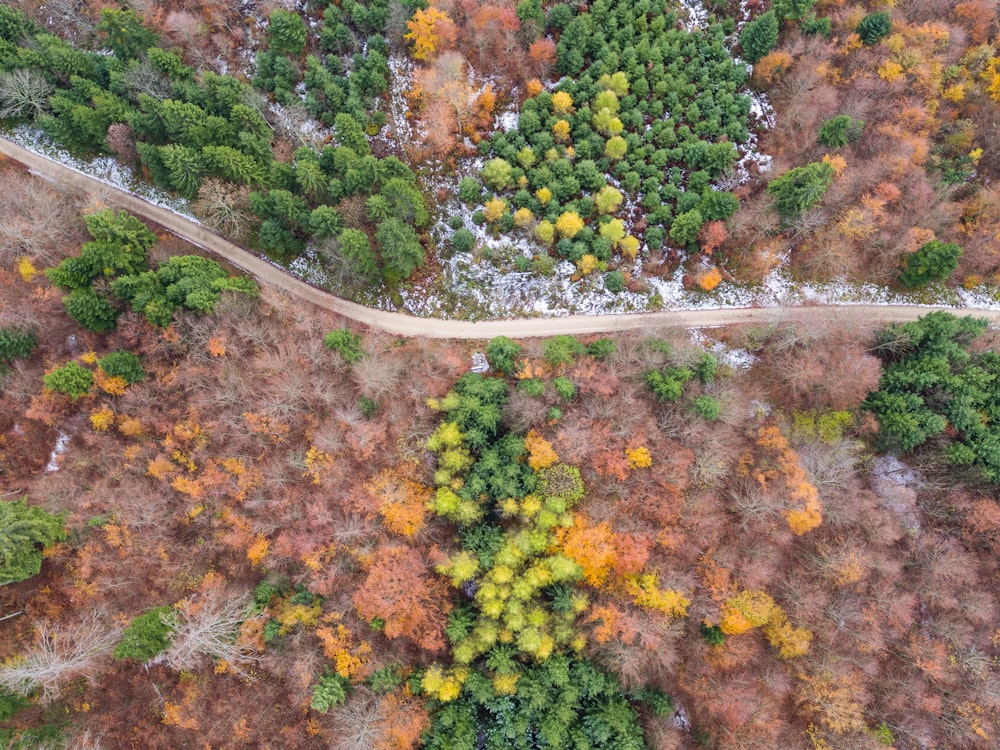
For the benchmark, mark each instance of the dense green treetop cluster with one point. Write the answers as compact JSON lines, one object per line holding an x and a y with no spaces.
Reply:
{"x":185,"y":127}
{"x":24,"y":531}
{"x":517,"y":678}
{"x":113,"y":268}
{"x":646,"y":109}
{"x":936,"y":389}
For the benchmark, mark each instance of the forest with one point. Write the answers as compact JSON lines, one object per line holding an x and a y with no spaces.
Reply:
{"x":234,"y":521}
{"x":377,"y":147}
{"x":230,"y":519}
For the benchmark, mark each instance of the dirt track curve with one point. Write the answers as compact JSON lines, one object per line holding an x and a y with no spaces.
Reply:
{"x":408,"y":325}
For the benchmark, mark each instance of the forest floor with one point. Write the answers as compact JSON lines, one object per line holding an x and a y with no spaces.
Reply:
{"x":407,"y":325}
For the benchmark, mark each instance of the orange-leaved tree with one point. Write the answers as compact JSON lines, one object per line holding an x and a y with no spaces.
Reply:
{"x":400,"y":591}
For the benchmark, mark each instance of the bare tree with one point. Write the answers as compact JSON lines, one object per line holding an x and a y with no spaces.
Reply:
{"x":36,"y":220}
{"x":358,"y":723}
{"x":225,"y":208}
{"x":24,"y":92}
{"x":208,"y":626}
{"x":61,"y":653}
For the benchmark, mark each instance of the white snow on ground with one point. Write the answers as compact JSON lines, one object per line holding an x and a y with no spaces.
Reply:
{"x":696,"y":15}
{"x":480,"y":363}
{"x":397,"y":125}
{"x":61,"y":442}
{"x":731,"y":356}
{"x":507,"y":119}
{"x":103,"y":168}
{"x":681,"y":719}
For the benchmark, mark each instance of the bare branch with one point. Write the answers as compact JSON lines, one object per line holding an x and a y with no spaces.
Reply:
{"x":61,"y":653}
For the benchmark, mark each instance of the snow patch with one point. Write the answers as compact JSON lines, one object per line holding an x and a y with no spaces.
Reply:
{"x":479,"y":363}
{"x":60,"y":447}
{"x":102,"y":168}
{"x":681,"y":719}
{"x":696,"y":15}
{"x":731,"y":356}
{"x":398,"y":126}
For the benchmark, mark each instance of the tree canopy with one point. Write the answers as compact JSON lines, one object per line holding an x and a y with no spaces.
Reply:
{"x":935,"y":389}
{"x":24,"y":531}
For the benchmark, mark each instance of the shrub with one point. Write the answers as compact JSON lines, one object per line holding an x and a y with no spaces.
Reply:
{"x":368,"y":407}
{"x":718,"y":206}
{"x":346,"y":343}
{"x":839,"y":131}
{"x":16,"y":343}
{"x":463,"y":240}
{"x":356,"y":249}
{"x":654,"y":237}
{"x":874,"y":26}
{"x":813,"y":25}
{"x":90,"y":310}
{"x":400,"y":246}
{"x":933,"y":260}
{"x":615,"y":148}
{"x":713,"y":635}
{"x":469,"y":191}
{"x":602,"y":349}
{"x":71,"y":380}
{"x":147,"y":635}
{"x":497,"y":173}
{"x":286,"y":32}
{"x":684,"y":230}
{"x":668,"y":384}
{"x":329,"y":691}
{"x":565,"y":388}
{"x":531,"y":387}
{"x":799,"y":188}
{"x":614,"y":281}
{"x":124,"y":365}
{"x":608,"y":199}
{"x":791,"y":10}
{"x":569,"y":224}
{"x":706,"y":407}
{"x":384,"y":681}
{"x":705,"y":367}
{"x":563,"y":350}
{"x":24,"y":532}
{"x":502,"y":354}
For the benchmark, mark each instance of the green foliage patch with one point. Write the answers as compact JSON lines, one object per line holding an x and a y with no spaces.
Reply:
{"x":147,"y":635}
{"x":936,"y":389}
{"x":800,"y":188}
{"x":932,"y":260}
{"x":24,"y":531}
{"x":72,"y":379}
{"x":563,"y":702}
{"x":346,"y":343}
{"x":329,"y":690}
{"x":16,"y":342}
{"x":124,"y":365}
{"x":650,"y":111}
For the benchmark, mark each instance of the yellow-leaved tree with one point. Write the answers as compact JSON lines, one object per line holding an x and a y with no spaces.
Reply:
{"x":430,"y":30}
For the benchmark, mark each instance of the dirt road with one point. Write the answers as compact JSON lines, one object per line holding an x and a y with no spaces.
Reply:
{"x":408,"y":325}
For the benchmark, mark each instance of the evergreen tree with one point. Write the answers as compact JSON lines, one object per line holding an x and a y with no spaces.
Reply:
{"x":399,"y":247}
{"x":759,"y":37}
{"x":933,"y":260}
{"x":800,"y":187}
{"x":24,"y":531}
